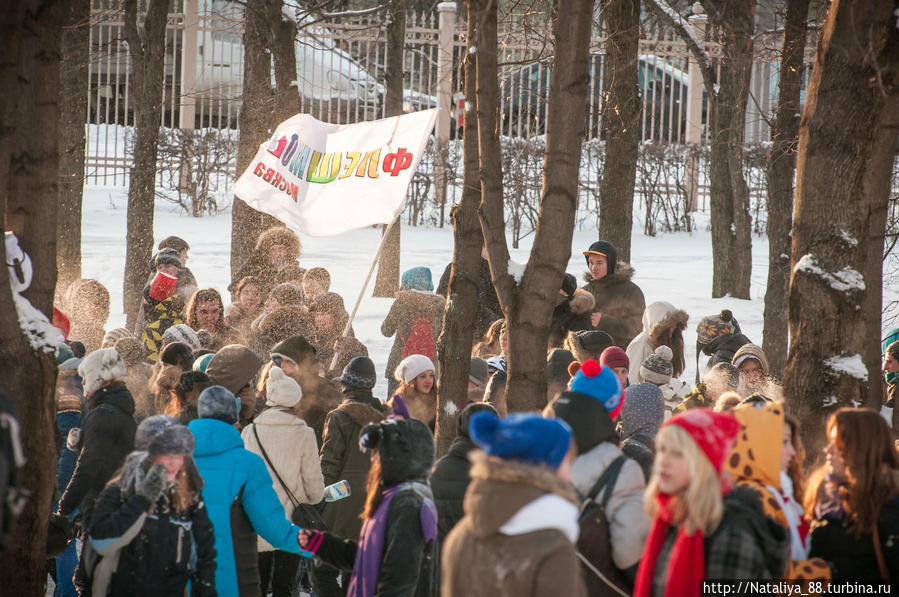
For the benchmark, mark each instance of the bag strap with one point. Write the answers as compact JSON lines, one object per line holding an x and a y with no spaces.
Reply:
{"x":290,"y":496}
{"x":607,"y":481}
{"x":878,"y":551}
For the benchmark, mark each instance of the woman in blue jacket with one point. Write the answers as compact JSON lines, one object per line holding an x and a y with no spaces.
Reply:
{"x":239,"y":495}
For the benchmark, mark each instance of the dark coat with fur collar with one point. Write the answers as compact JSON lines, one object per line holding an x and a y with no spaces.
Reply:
{"x":621,"y":303}
{"x":478,"y":560}
{"x":572,"y":314}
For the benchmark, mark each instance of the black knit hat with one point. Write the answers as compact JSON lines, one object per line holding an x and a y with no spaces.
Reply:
{"x":405,"y":447}
{"x":295,"y":348}
{"x":178,"y":353}
{"x":589,"y":420}
{"x":359,"y":373}
{"x":557,"y":365}
{"x":174,"y":242}
{"x":464,"y":417}
{"x":594,"y":341}
{"x":604,"y":247}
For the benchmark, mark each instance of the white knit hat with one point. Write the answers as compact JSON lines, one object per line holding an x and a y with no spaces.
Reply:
{"x":412,"y":366}
{"x":99,"y":367}
{"x":282,"y":390}
{"x":182,"y":333}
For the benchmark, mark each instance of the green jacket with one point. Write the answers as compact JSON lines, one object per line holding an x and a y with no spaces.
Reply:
{"x":342,"y":459}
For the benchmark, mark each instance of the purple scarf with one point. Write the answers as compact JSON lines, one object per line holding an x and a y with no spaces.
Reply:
{"x":371,"y":541}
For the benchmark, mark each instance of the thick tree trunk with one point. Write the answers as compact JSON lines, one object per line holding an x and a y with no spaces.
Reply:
{"x":461,"y":314}
{"x":729,"y":195}
{"x":621,"y":117}
{"x":30,"y":31}
{"x":148,"y":70}
{"x":256,"y":119}
{"x":529,"y":300}
{"x":846,"y":133}
{"x":284,"y":57}
{"x":779,"y":174}
{"x":387,"y":281}
{"x":73,"y":107}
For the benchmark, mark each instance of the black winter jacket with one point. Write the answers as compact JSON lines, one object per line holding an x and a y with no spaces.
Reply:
{"x":106,"y":438}
{"x":723,"y":348}
{"x":640,"y":447}
{"x":854,"y":559}
{"x":170,"y":549}
{"x":409,"y":565}
{"x":449,"y":481}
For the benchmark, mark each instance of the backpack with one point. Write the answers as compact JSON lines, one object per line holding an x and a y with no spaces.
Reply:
{"x":420,"y":339}
{"x":594,"y":544}
{"x":13,"y":495}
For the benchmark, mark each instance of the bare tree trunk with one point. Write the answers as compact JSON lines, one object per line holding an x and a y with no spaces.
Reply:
{"x":387,"y":281}
{"x":461,"y":314}
{"x":781,"y":166}
{"x":30,"y":31}
{"x":256,"y":118}
{"x":620,"y":123}
{"x":73,"y":108}
{"x":528,"y":301}
{"x":147,"y":51}
{"x":847,"y":131}
{"x":284,"y":56}
{"x":729,"y":195}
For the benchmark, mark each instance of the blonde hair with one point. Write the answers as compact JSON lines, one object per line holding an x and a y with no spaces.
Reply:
{"x":700,"y":506}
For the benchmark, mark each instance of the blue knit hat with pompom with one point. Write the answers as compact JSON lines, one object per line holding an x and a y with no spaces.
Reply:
{"x":526,"y":437}
{"x":599,"y":383}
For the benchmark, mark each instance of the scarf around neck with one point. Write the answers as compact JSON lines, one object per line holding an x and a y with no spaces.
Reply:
{"x":367,"y":566}
{"x":686,"y":564}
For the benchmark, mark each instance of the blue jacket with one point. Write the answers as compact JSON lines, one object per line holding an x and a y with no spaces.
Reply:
{"x":226,"y":467}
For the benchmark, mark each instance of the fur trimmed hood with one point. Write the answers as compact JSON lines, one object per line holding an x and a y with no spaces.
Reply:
{"x":279,"y":236}
{"x":581,"y":302}
{"x":623,"y":273}
{"x":500,"y":488}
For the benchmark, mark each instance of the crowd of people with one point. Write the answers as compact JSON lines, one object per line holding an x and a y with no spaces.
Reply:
{"x":239,"y":449}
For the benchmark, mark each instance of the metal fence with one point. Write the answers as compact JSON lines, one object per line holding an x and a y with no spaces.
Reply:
{"x":340,"y":77}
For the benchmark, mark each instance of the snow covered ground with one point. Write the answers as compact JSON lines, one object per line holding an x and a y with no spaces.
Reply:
{"x":676,"y":268}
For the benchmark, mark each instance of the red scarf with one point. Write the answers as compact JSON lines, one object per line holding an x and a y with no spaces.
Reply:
{"x":686,"y":564}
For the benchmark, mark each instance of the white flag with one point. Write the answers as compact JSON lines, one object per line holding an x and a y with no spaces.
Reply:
{"x":322,"y":179}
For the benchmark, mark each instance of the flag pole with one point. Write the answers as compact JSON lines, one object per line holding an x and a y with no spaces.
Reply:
{"x":349,"y":323}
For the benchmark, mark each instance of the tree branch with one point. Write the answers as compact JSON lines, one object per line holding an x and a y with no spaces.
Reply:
{"x":685,"y":30}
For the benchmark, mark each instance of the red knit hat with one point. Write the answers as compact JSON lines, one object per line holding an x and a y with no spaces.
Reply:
{"x":713,"y":432}
{"x":613,"y":357}
{"x":61,"y":322}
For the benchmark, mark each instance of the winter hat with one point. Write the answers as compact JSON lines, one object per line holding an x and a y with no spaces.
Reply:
{"x":131,"y":349}
{"x":182,"y":333}
{"x":113,"y":336}
{"x":613,"y":357}
{"x":413,"y":366}
{"x":205,"y":338}
{"x":593,"y":341}
{"x":296,"y":348}
{"x":60,"y":321}
{"x":417,"y":278}
{"x":176,"y":439}
{"x":887,"y":340}
{"x":290,"y":272}
{"x":78,"y":348}
{"x":168,"y":257}
{"x":607,"y":250}
{"x":405,"y":448}
{"x":479,"y":372}
{"x":286,"y":295}
{"x":99,"y":367}
{"x":233,"y":366}
{"x":320,"y":275}
{"x":359,"y":373}
{"x":569,"y":284}
{"x":202,"y":363}
{"x":557,"y":365}
{"x":282,"y":390}
{"x":464,"y":418}
{"x":588,"y":419}
{"x":522,"y":436}
{"x":177,"y":354}
{"x":175,"y":243}
{"x":643,"y":411}
{"x":151,"y":427}
{"x":657,"y":367}
{"x":712,"y":326}
{"x":713,"y":432}
{"x":600,"y":383}
{"x":751,"y":351}
{"x":63,"y":353}
{"x":218,"y":402}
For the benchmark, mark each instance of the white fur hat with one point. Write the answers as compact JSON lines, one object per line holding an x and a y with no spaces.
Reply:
{"x":282,"y":390}
{"x":413,"y":366}
{"x":101,"y":366}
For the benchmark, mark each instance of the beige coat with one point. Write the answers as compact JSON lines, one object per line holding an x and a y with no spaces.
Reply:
{"x":290,"y":444}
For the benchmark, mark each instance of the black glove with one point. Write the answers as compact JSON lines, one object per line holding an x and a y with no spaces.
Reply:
{"x":152,"y":483}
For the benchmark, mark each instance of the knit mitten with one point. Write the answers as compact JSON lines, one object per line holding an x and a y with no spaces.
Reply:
{"x":315,"y":541}
{"x":152,"y":483}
